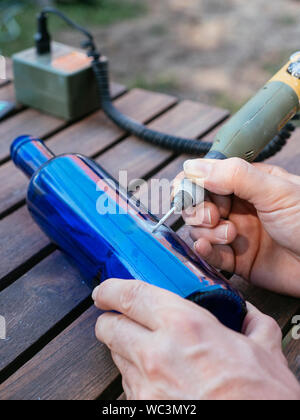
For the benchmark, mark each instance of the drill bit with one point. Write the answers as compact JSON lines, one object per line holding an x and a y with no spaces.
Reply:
{"x":162,"y":221}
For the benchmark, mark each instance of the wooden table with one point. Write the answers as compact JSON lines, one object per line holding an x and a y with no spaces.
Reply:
{"x":51,"y":351}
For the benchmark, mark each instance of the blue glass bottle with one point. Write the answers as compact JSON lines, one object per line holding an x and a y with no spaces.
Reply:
{"x":84,"y":211}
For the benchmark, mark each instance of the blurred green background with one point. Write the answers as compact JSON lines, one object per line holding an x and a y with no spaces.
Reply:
{"x":21,"y":24}
{"x":216,"y":51}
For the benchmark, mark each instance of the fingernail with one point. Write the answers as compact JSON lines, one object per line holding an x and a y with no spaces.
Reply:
{"x":197,"y":167}
{"x":223,"y":233}
{"x":207,"y":217}
{"x":95,"y":292}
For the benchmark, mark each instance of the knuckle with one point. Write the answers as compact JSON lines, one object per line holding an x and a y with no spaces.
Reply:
{"x":238,"y":167}
{"x":129,"y":295}
{"x":273,"y":331}
{"x":277,"y":171}
{"x":101,"y":326}
{"x":238,"y":170}
{"x":108,"y":327}
{"x":183,"y":318}
{"x":98,"y":328}
{"x":113,"y":330}
{"x":271,"y":325}
{"x":152,"y":362}
{"x":170,"y":317}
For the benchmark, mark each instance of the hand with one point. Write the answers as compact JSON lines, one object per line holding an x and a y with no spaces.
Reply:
{"x":254,"y":233}
{"x":168,"y":348}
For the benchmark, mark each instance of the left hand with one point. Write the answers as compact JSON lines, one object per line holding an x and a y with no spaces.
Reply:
{"x":168,"y":348}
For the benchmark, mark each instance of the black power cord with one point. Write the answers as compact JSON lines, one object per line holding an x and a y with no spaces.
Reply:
{"x":101,"y":70}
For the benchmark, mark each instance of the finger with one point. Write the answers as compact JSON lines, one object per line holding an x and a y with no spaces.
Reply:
{"x":262,"y":329}
{"x":138,"y":300}
{"x":121,"y":335}
{"x":223,"y":204}
{"x":219,"y":256}
{"x":130,"y":375}
{"x":205,"y":214}
{"x":246,"y":181}
{"x":125,"y":367}
{"x":224,"y":233}
{"x":176,"y":183}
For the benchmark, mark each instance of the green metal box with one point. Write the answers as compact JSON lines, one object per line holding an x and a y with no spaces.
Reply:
{"x":61,"y":83}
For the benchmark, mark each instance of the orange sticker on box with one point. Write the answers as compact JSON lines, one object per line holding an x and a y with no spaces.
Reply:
{"x":71,"y":62}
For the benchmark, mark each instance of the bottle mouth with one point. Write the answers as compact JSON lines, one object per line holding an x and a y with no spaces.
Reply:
{"x":19,"y":142}
{"x":29,"y":154}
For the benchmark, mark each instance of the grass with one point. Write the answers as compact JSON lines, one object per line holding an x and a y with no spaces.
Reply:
{"x":273,"y":64}
{"x":287,"y":20}
{"x":99,"y":12}
{"x":158,"y":29}
{"x":164,"y":83}
{"x":223,"y":100}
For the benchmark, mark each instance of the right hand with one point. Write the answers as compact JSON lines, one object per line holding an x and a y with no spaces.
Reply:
{"x":253,"y":223}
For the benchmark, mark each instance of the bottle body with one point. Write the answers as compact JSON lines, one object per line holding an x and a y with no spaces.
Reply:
{"x":84,"y":211}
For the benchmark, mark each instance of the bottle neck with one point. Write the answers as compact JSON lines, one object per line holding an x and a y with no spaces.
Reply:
{"x":29,"y":154}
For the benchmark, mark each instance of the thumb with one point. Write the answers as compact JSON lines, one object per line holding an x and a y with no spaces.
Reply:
{"x":262,"y":329}
{"x":238,"y":177}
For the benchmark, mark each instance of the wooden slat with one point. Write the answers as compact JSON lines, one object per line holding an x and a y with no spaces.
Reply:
{"x":35,"y":123}
{"x":289,"y":157}
{"x":86,"y":363}
{"x":4,"y":83}
{"x":27,"y":122}
{"x":13,"y":187}
{"x":7,"y":93}
{"x":189,"y":119}
{"x":280,"y":307}
{"x":21,"y":238}
{"x":292,"y":353}
{"x":74,"y":366}
{"x":89,"y":136}
{"x":36,"y":302}
{"x":97,"y":132}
